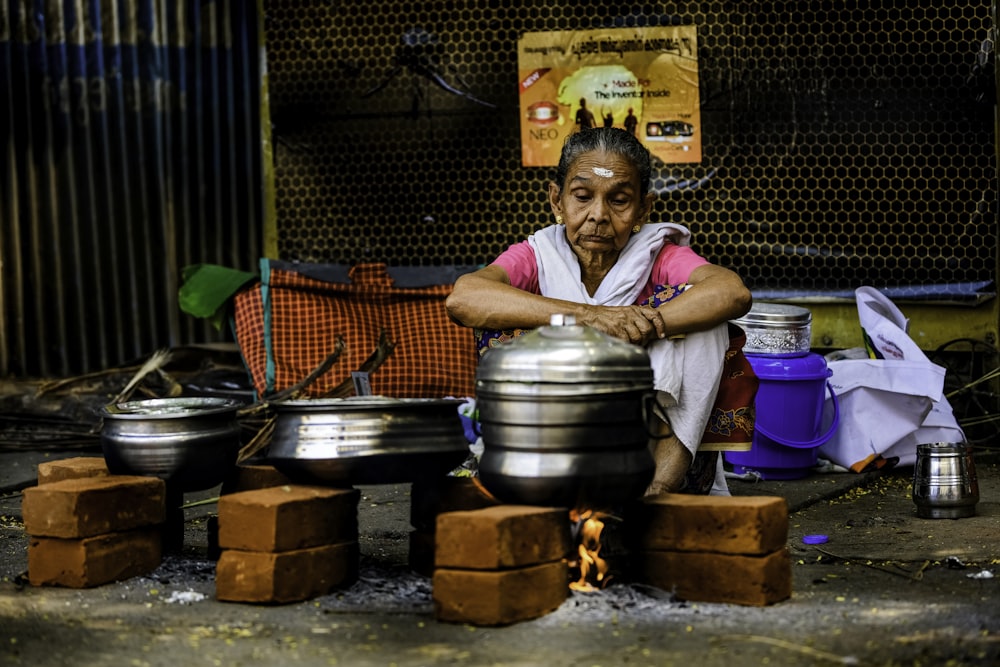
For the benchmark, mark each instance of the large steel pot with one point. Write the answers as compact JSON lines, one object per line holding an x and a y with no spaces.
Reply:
{"x":367,"y":439}
{"x":563,"y":417}
{"x":190,"y":443}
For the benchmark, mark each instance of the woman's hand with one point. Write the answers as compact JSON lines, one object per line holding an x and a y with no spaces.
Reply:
{"x":636,"y":324}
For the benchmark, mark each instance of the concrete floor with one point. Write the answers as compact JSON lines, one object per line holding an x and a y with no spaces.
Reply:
{"x":887,"y":588}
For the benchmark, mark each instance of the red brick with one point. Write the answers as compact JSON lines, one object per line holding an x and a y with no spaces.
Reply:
{"x":431,"y":497}
{"x":79,"y":467}
{"x":284,"y":518}
{"x":499,"y":597}
{"x":289,"y":576}
{"x":713,"y":577}
{"x":253,"y":477}
{"x":723,"y":524}
{"x":503,"y":536}
{"x":93,"y":561}
{"x":74,"y":508}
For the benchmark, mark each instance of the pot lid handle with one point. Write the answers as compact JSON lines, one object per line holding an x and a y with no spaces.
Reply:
{"x":562,"y":319}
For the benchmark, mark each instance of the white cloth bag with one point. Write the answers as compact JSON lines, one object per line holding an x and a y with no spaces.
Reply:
{"x":881,"y":403}
{"x":891,"y":403}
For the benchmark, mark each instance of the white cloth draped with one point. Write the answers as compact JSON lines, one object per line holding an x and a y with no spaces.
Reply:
{"x":696,"y":358}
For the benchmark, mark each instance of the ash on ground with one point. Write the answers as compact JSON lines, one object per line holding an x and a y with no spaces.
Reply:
{"x":617,"y":600}
{"x":179,"y":570}
{"x":379,"y":589}
{"x":382,"y":588}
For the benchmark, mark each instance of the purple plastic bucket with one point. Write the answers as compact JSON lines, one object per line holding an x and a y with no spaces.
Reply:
{"x":788,"y":431}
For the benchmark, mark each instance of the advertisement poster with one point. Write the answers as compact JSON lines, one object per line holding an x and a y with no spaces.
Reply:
{"x":644,"y":80}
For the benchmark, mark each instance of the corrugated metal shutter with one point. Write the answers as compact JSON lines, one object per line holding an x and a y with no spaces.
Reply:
{"x":129,"y":148}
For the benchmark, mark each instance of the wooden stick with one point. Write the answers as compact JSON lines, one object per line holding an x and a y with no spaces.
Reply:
{"x":339,"y":348}
{"x":259,"y":441}
{"x":154,"y":363}
{"x":383,"y":350}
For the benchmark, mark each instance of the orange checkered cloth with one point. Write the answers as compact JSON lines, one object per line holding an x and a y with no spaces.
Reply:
{"x":288,"y":324}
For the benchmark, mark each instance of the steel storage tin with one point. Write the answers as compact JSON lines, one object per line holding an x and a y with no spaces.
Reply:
{"x":777,"y":330}
{"x":562,"y":413}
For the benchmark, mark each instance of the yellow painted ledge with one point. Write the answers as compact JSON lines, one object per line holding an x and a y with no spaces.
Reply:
{"x":835,"y":325}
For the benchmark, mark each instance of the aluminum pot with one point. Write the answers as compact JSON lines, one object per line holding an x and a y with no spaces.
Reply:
{"x":367,"y":439}
{"x":190,"y":443}
{"x":563,"y":416}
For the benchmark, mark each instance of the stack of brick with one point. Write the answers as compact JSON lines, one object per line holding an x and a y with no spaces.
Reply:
{"x":286,"y":543}
{"x":500,"y":565}
{"x":428,"y":499}
{"x":714,"y":548}
{"x":88,"y":528}
{"x":245,"y":477}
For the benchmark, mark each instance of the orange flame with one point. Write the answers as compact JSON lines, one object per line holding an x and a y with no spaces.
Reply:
{"x":483,"y":490}
{"x":593,"y":568}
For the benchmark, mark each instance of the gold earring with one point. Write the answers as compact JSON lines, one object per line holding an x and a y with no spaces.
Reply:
{"x":558,"y":219}
{"x":636,"y":228}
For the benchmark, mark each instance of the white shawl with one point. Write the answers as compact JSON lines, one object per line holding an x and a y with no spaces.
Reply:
{"x":696,"y":359}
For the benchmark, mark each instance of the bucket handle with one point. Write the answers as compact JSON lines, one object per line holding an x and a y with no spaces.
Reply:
{"x":812,"y":443}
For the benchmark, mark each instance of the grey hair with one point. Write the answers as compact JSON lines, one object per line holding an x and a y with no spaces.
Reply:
{"x":611,"y":139}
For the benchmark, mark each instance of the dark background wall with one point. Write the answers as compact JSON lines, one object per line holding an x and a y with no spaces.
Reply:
{"x":845,"y":143}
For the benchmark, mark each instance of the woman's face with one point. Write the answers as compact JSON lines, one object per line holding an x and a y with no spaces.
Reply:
{"x":600,"y":202}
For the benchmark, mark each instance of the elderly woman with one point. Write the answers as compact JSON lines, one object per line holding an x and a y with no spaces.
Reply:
{"x":605,"y":264}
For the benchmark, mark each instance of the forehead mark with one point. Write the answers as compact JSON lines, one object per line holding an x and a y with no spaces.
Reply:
{"x":601,"y":171}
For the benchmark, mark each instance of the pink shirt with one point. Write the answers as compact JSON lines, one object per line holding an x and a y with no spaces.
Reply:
{"x":673,"y":266}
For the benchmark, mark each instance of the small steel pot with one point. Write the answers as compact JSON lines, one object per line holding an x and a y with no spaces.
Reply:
{"x":367,"y":439}
{"x":190,"y":443}
{"x":563,"y":417}
{"x":945,"y":485}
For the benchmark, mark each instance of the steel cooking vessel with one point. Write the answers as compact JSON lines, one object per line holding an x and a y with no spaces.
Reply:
{"x":367,"y":439}
{"x":190,"y":442}
{"x":562,"y":412}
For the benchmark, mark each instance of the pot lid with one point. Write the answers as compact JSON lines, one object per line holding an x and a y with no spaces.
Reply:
{"x":776,"y":314}
{"x":565,"y":351}
{"x":810,"y":366}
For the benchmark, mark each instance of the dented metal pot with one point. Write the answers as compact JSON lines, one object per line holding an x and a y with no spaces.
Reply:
{"x":563,"y":417}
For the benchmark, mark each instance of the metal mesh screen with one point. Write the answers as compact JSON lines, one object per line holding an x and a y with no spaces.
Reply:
{"x":844,"y":143}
